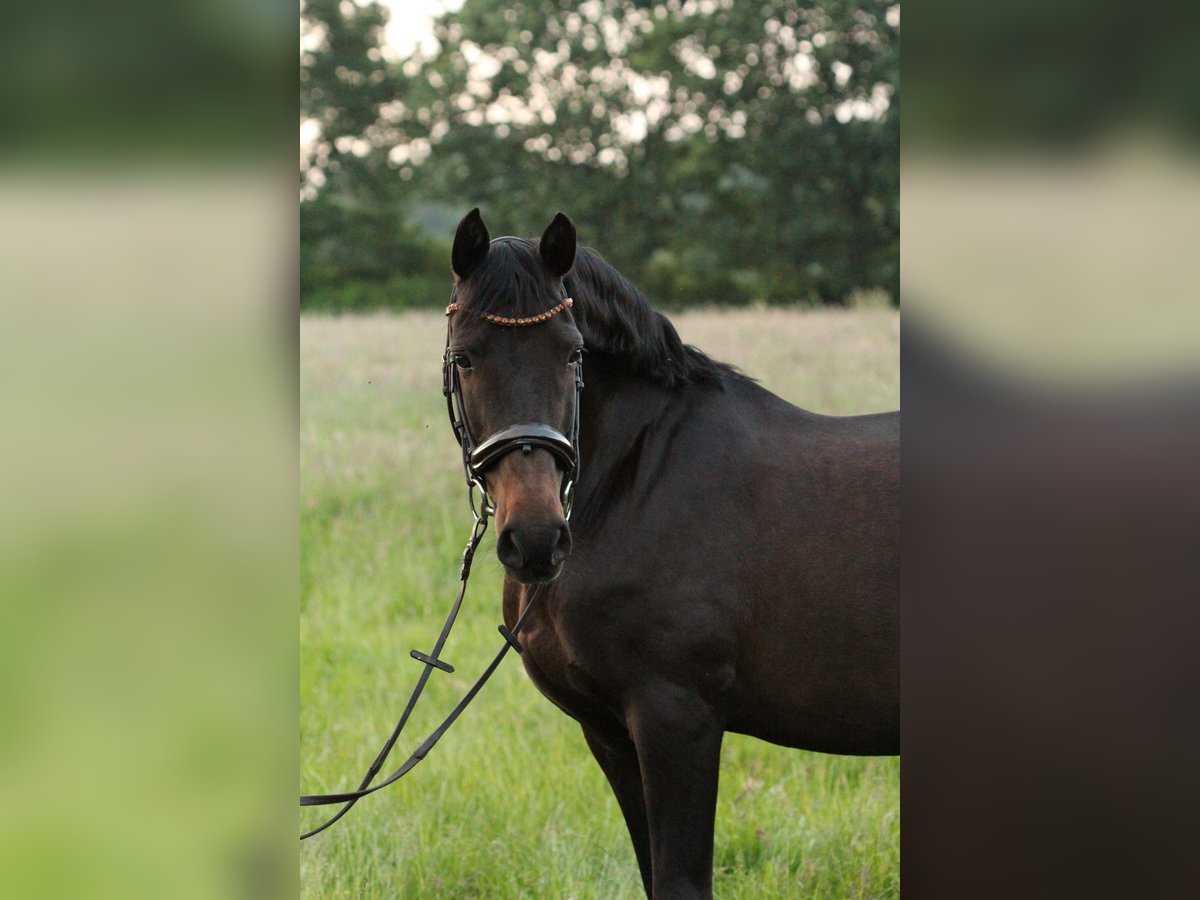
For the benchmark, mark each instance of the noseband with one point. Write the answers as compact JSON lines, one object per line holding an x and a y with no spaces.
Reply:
{"x":478,"y":456}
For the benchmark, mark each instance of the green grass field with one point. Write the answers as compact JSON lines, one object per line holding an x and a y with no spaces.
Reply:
{"x":510,"y":803}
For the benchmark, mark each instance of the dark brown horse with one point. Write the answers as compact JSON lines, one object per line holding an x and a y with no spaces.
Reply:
{"x":731,"y":562}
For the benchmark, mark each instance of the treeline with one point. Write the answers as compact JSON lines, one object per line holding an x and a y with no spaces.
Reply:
{"x":715,"y":152}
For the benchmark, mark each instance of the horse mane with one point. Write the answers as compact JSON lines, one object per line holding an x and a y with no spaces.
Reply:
{"x":616,"y":320}
{"x":614,"y":317}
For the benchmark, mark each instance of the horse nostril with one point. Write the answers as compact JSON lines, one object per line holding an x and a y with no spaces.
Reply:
{"x":508,"y":551}
{"x":562,"y":547}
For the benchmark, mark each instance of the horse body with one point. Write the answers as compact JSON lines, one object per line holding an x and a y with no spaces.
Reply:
{"x":781,"y":532}
{"x":733,"y":566}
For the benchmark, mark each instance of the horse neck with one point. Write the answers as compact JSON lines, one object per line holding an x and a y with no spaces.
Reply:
{"x":617,"y":408}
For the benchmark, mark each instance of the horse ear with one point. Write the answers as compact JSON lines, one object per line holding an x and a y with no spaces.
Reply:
{"x":470,"y":244}
{"x":557,"y":248}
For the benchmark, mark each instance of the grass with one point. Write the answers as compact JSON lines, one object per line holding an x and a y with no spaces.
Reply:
{"x":510,"y":803}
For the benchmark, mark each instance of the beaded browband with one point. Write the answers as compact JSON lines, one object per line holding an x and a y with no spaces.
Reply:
{"x":527,"y":320}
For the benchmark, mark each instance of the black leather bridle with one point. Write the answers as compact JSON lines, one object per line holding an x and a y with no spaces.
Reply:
{"x":478,"y":456}
{"x":476,"y":459}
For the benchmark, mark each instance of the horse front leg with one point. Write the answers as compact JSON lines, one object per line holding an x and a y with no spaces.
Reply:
{"x":615,"y":753}
{"x":678,"y":740}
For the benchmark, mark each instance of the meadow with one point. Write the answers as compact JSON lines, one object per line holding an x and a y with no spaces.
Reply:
{"x":510,"y":803}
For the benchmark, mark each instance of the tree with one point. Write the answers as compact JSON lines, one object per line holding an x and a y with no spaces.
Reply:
{"x":742,"y":150}
{"x":358,"y":249}
{"x":714,"y":151}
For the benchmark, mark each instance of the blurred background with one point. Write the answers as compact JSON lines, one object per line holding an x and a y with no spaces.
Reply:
{"x":1051,"y":392}
{"x":147,"y":492}
{"x":714,"y":152}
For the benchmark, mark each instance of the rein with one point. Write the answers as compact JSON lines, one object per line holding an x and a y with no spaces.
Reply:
{"x":476,"y":458}
{"x":431,"y":661}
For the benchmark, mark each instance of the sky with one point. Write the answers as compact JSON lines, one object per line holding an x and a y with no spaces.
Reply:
{"x":411,"y":21}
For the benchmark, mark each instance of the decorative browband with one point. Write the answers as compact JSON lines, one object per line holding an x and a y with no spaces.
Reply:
{"x":527,"y":320}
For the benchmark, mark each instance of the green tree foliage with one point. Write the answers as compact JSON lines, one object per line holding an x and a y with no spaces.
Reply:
{"x":357,"y":247}
{"x":714,"y":151}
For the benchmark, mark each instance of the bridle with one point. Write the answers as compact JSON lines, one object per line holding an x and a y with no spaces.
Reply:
{"x":478,"y":456}
{"x":476,"y":459}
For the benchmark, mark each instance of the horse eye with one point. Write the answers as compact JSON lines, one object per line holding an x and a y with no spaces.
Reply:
{"x":462,"y":361}
{"x":576,"y":357}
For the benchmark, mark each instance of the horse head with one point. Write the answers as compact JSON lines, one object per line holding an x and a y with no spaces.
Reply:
{"x":513,"y":374}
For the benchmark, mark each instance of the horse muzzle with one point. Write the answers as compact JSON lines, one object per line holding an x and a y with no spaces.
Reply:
{"x":534,"y":553}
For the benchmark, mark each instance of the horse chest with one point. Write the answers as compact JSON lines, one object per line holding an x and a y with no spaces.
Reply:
{"x":562,"y":658}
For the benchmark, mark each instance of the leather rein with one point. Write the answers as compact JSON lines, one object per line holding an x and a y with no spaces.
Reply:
{"x":477,"y":457}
